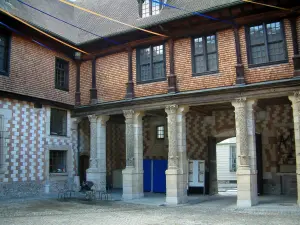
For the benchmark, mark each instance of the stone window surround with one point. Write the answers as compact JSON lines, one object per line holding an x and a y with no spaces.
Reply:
{"x":70,"y":164}
{"x":48,"y":121}
{"x":7,"y":115}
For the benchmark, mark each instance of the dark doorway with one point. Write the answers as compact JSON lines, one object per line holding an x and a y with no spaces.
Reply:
{"x":212,"y":166}
{"x":84,"y":165}
{"x":259,"y":164}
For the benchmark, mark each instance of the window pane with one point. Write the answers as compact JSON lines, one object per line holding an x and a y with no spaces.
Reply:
{"x":145,"y":72}
{"x":276,"y":51}
{"x":58,"y":122}
{"x":145,"y":56}
{"x":3,"y":53}
{"x":61,"y":74}
{"x":211,"y":43}
{"x":258,"y":54}
{"x":155,"y":8}
{"x":212,"y":62}
{"x":158,"y":70}
{"x":198,"y":44}
{"x":274,"y":32}
{"x":146,"y":9}
{"x":58,"y":162}
{"x":160,"y":132}
{"x":200,"y":64}
{"x":158,"y":53}
{"x":257,"y":35}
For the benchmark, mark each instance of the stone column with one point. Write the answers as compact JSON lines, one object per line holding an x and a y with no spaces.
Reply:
{"x":133,"y":173}
{"x":75,"y":159}
{"x":101,"y":150}
{"x":97,"y":169}
{"x":246,"y":152}
{"x":295,"y":99}
{"x":181,"y":137}
{"x":175,"y":178}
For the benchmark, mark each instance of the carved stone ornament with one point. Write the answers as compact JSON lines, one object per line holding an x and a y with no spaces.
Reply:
{"x":242,"y":131}
{"x":171,"y":109}
{"x":102,"y":120}
{"x":92,"y":118}
{"x":93,"y":140}
{"x":129,"y":138}
{"x":128,"y":114}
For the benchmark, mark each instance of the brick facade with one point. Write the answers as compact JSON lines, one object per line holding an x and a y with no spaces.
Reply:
{"x":32,"y":72}
{"x":28,"y":142}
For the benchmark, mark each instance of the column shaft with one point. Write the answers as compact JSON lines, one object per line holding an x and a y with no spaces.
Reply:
{"x":176,"y":178}
{"x":133,"y":173}
{"x":296,"y":115}
{"x":246,"y":152}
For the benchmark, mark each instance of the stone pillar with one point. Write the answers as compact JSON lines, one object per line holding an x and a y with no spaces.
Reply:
{"x":246,"y":152}
{"x":97,"y":169}
{"x":133,"y":173}
{"x":183,"y":163}
{"x":75,"y":159}
{"x":175,"y":178}
{"x":295,"y":99}
{"x":101,"y":150}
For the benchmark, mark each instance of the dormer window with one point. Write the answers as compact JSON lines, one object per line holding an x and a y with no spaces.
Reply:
{"x":149,"y":8}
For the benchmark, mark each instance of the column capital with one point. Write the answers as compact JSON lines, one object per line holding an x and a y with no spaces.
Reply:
{"x":92,"y":118}
{"x":295,"y":98}
{"x":102,"y":119}
{"x":128,"y":114}
{"x":171,"y":109}
{"x":239,"y":102}
{"x":183,"y":109}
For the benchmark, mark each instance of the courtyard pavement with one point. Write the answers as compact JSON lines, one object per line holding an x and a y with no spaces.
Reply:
{"x":202,"y":210}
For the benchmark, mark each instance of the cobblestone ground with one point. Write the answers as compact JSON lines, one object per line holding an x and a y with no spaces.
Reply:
{"x":52,"y":211}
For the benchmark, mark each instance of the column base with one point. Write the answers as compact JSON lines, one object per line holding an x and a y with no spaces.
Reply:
{"x":176,"y":187}
{"x":132,"y":184}
{"x":98,"y":178}
{"x":246,"y":187}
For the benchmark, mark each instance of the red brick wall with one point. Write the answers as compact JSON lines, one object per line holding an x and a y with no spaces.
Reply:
{"x":272,"y":72}
{"x":32,"y":72}
{"x":112,"y":72}
{"x":112,"y":76}
{"x":227,"y":62}
{"x":85,"y":82}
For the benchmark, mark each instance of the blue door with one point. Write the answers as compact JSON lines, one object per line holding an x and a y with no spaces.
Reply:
{"x":147,"y":175}
{"x":159,"y":175}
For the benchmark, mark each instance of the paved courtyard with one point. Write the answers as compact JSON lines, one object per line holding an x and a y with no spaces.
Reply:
{"x":219,"y":210}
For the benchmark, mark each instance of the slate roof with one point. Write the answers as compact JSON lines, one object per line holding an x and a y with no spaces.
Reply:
{"x":123,"y":10}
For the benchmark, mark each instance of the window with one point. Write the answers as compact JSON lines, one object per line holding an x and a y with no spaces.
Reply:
{"x":149,"y":8}
{"x":151,"y":63}
{"x":4,"y":54}
{"x":61,"y":74}
{"x":160,"y":132}
{"x":266,"y":43}
{"x":58,"y":122}
{"x":232,"y":158}
{"x":58,"y":161}
{"x":205,"y":58}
